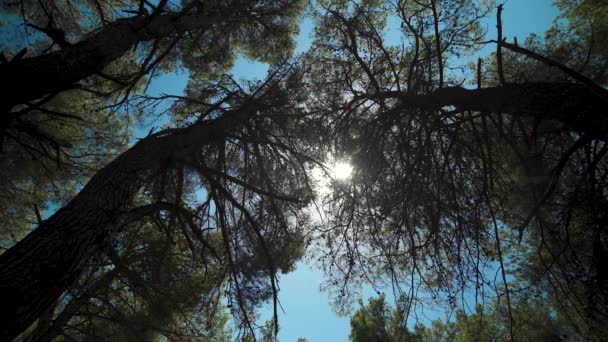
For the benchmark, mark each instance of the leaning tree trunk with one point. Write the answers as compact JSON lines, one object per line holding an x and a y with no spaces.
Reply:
{"x":36,"y":271}
{"x":28,"y":79}
{"x":576,"y":106}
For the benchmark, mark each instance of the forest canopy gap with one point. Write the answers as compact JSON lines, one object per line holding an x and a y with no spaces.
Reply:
{"x":465,"y":179}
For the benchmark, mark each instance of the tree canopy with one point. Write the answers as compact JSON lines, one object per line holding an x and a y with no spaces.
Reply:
{"x":376,"y":321}
{"x":478,"y":183}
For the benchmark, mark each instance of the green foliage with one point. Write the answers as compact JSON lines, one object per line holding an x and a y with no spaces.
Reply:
{"x":52,"y":150}
{"x":376,"y":322}
{"x":532,"y":321}
{"x":580,"y":37}
{"x":439,"y":198}
{"x":45,"y":165}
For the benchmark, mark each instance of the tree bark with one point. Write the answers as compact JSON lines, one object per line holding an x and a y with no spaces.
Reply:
{"x":40,"y":268}
{"x":28,"y":79}
{"x":576,"y":106}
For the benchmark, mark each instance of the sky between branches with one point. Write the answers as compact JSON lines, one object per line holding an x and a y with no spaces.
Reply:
{"x":308,"y":312}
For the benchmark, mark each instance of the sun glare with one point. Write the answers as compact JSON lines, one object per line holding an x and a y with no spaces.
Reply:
{"x":341,"y":170}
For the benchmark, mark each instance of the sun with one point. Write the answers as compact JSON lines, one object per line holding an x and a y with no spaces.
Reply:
{"x":338,"y":171}
{"x":341,"y":171}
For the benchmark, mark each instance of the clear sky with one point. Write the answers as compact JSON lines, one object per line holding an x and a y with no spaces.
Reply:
{"x":307,"y":310}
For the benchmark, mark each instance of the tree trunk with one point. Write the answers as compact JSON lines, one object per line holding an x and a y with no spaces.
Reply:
{"x":36,"y":271}
{"x":28,"y":79}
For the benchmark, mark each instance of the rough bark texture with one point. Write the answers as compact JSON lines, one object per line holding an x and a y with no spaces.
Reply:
{"x":37,"y":270}
{"x":28,"y":79}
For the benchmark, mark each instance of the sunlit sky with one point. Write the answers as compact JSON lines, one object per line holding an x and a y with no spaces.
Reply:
{"x":307,"y":311}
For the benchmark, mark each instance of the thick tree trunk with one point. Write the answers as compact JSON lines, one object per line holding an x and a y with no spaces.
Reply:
{"x":576,"y":106}
{"x":28,"y":79}
{"x":37,"y":270}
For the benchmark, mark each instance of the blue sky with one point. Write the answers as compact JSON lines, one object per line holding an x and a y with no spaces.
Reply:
{"x":307,"y":310}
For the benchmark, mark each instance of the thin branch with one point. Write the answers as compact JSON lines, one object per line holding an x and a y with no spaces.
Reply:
{"x":597,"y":89}
{"x":501,"y":75}
{"x":437,"y":42}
